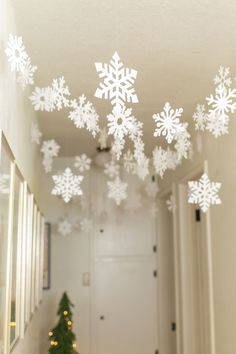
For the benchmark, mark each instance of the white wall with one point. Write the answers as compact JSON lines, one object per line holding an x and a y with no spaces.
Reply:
{"x":16,"y":116}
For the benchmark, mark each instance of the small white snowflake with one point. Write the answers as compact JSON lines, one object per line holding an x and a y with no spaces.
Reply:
{"x":168,"y":123}
{"x":4,"y":183}
{"x":64,"y":227}
{"x":16,"y":53}
{"x":86,"y":225}
{"x":217,"y":125}
{"x":67,"y":185}
{"x":223,"y":78}
{"x":117,"y":148}
{"x":172,"y":159}
{"x":120,"y":122}
{"x":171,"y":206}
{"x":42,"y":99}
{"x":82,"y":163}
{"x":84,"y":115}
{"x":60,"y":91}
{"x":223,"y":102}
{"x":138,"y":150}
{"x":129,"y":162}
{"x":50,"y":148}
{"x":102,"y":140}
{"x":118,"y":82}
{"x":141,"y":169}
{"x":204,"y":192}
{"x":35,"y":134}
{"x":183,"y":143}
{"x":26,"y":77}
{"x":200,"y":117}
{"x":117,"y":190}
{"x":159,"y":161}
{"x":112,"y":169}
{"x":47,"y":164}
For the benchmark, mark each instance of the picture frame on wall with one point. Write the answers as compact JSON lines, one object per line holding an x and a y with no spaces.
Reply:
{"x":47,"y":257}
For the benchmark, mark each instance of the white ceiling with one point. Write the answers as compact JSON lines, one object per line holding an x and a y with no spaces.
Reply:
{"x":176,"y":46}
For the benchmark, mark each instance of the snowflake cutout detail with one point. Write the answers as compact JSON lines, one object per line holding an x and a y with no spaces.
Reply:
{"x":217,"y":125}
{"x":168,"y":123}
{"x":223,"y":78}
{"x":112,"y":169}
{"x":159,"y":161}
{"x":86,"y":225}
{"x":117,"y":190}
{"x":84,"y":115}
{"x":120,"y":122}
{"x":200,"y":117}
{"x":4,"y":183}
{"x":16,"y":53}
{"x":35,"y":134}
{"x":118,"y":82}
{"x":64,"y":227}
{"x":129,"y":162}
{"x":67,"y":185}
{"x":204,"y":192}
{"x":59,"y":93}
{"x":82,"y":163}
{"x":42,"y":99}
{"x":50,"y":148}
{"x":26,"y":77}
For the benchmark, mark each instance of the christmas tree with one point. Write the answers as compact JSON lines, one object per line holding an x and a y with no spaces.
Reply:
{"x":62,"y":339}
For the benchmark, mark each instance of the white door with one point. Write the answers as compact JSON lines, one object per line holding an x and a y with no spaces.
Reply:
{"x":125,"y":307}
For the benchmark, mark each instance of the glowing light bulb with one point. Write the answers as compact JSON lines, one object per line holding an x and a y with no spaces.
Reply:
{"x":69,"y":323}
{"x":74,"y":345}
{"x":50,"y":334}
{"x":65,"y":313}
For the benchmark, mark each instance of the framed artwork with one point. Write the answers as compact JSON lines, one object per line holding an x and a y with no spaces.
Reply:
{"x":47,"y":256}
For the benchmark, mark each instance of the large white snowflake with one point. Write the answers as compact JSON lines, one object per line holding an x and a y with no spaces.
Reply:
{"x":118,"y":82}
{"x":42,"y":99}
{"x":82,"y":163}
{"x":204,"y":192}
{"x":120,"y":122}
{"x":16,"y":53}
{"x":67,"y":185}
{"x":4,"y":183}
{"x":168,"y":123}
{"x":200,"y":117}
{"x":112,"y":169}
{"x":117,"y":190}
{"x":60,"y":93}
{"x":35,"y":134}
{"x":159,"y":161}
{"x":50,"y":148}
{"x":26,"y":77}
{"x":84,"y":115}
{"x":64,"y":227}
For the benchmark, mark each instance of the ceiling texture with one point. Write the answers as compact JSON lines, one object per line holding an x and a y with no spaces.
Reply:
{"x":176,"y":46}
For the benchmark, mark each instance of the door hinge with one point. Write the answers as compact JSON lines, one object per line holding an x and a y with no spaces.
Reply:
{"x":197,"y":215}
{"x":155,"y":273}
{"x":154,"y":248}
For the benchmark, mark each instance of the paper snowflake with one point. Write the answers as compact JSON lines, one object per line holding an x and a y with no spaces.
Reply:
{"x":118,"y":82}
{"x":67,"y":185}
{"x":223,"y":78}
{"x":141,"y":169}
{"x":171,"y":206}
{"x":117,"y":190}
{"x":159,"y":161}
{"x":168,"y":123}
{"x":204,"y":192}
{"x":50,"y":148}
{"x":223,"y":102}
{"x":42,"y":99}
{"x":84,"y":115}
{"x":151,"y":188}
{"x":172,"y":159}
{"x":120,"y":122}
{"x":86,"y":225}
{"x":35,"y":134}
{"x":183,"y":142}
{"x":60,"y":93}
{"x":4,"y":183}
{"x":47,"y":164}
{"x":112,"y":169}
{"x":64,"y":227}
{"x":129,"y":162}
{"x":16,"y":53}
{"x":138,"y":150}
{"x":117,"y":148}
{"x":217,"y":124}
{"x":82,"y":163}
{"x":102,"y":140}
{"x":200,"y":117}
{"x":26,"y":77}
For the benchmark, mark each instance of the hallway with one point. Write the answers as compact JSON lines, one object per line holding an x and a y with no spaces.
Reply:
{"x":117,"y":177}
